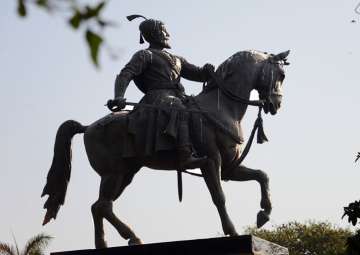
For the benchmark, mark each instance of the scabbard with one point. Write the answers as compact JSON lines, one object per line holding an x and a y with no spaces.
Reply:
{"x":180,"y":188}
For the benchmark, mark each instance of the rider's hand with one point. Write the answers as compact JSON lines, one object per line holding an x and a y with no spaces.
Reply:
{"x":116,"y":104}
{"x":209,"y":69}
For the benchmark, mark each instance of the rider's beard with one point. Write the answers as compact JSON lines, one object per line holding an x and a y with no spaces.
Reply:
{"x":166,"y":44}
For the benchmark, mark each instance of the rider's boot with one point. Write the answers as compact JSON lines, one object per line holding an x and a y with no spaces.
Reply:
{"x":186,"y":158}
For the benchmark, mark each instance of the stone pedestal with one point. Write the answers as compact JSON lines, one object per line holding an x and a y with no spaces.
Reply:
{"x":240,"y":245}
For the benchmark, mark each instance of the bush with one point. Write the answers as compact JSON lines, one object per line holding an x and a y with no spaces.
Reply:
{"x":311,"y":238}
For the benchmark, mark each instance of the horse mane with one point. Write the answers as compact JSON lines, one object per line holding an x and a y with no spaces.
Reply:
{"x":236,"y":60}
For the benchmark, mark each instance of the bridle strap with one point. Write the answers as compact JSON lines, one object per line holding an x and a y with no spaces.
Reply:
{"x":230,"y":95}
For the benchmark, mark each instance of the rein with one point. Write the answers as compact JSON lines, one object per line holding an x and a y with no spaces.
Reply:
{"x":230,"y":95}
{"x":258,"y":124}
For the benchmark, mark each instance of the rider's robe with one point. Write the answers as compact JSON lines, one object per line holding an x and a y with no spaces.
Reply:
{"x":157,"y":74}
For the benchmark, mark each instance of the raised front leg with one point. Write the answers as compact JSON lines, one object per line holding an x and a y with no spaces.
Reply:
{"x":243,"y":173}
{"x":211,"y":175}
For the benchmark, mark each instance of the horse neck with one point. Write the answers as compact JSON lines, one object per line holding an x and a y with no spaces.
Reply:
{"x":218,"y":103}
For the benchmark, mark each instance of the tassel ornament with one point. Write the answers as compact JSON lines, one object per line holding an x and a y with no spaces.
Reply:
{"x":261,"y":137}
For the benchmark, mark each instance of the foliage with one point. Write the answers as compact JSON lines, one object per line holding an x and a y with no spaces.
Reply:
{"x":311,"y":238}
{"x":35,"y":246}
{"x":88,"y":16}
{"x":352,"y":211}
{"x":353,"y":244}
{"x":94,"y":41}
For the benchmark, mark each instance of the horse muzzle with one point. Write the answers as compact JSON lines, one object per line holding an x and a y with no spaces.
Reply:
{"x":273,"y":103}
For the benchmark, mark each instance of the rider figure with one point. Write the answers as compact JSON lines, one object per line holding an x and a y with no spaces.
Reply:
{"x":156,"y":72}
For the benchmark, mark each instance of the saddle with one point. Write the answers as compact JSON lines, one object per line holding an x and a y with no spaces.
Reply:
{"x":142,"y":131}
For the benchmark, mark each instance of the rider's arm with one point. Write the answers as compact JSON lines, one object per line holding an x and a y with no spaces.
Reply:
{"x":192,"y":72}
{"x":135,"y":67}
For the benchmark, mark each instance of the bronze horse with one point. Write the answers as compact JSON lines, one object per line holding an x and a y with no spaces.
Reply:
{"x":239,"y":75}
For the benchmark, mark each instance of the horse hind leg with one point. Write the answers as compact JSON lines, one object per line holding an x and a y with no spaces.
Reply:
{"x":243,"y":173}
{"x":111,"y":187}
{"x":98,"y":225}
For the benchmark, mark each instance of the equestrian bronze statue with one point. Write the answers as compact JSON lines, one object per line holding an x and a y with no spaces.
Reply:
{"x":168,"y":130}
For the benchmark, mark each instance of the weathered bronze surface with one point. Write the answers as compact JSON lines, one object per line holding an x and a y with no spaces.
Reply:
{"x":121,"y":143}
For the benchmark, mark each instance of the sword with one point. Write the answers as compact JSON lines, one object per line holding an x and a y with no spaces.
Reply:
{"x":171,"y":108}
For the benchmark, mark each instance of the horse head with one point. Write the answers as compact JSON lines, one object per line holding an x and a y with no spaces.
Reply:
{"x":270,"y":80}
{"x":248,"y":70}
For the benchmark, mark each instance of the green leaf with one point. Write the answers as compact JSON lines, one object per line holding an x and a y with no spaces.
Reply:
{"x":42,"y":3}
{"x":93,"y":11}
{"x":99,"y":7}
{"x":76,"y":19}
{"x":21,"y":8}
{"x":45,"y":4}
{"x":94,"y":42}
{"x":80,"y":16}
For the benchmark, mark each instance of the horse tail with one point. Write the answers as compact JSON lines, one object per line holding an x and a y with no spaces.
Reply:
{"x":59,"y":173}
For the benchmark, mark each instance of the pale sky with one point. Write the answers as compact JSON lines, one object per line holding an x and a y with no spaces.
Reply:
{"x":47,"y":78}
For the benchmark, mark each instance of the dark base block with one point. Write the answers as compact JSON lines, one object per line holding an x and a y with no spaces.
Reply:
{"x":240,"y":245}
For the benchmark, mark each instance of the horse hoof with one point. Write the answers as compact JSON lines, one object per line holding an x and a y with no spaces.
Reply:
{"x":262,"y":218}
{"x":266,"y":205}
{"x":100,"y":244}
{"x":234,"y":233}
{"x":231,"y":232}
{"x":134,"y":241}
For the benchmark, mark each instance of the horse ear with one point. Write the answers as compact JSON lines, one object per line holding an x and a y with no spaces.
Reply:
{"x":281,"y":56}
